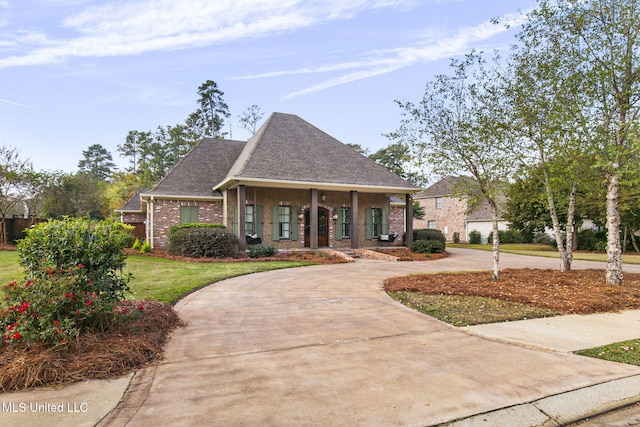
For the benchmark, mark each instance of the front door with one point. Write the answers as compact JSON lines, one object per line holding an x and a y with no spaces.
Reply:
{"x":323,"y":228}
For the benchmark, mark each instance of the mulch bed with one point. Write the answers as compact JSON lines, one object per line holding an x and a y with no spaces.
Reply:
{"x":404,"y":254}
{"x":133,"y":345}
{"x":578,"y":291}
{"x":301,"y":256}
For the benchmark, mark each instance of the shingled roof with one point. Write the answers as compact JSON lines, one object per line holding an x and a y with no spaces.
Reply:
{"x":442,"y":188}
{"x":287,"y":152}
{"x":289,"y":149}
{"x":206,"y":165}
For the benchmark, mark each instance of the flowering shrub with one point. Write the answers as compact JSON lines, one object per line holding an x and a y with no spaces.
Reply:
{"x":74,"y":282}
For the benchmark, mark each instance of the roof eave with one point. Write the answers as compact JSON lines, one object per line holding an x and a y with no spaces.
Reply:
{"x":233,"y":182}
{"x":148,"y":196}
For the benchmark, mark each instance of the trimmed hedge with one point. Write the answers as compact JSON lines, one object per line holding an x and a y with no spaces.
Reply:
{"x":427,"y":246}
{"x":198,"y":241}
{"x":177,"y":227}
{"x":262,"y":250}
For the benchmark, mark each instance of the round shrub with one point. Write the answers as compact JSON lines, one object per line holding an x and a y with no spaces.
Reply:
{"x":74,"y":281}
{"x":196,"y":242}
{"x":262,"y":250}
{"x":475,"y":238}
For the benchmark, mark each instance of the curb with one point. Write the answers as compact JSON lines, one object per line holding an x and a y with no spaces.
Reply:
{"x":561,"y":409}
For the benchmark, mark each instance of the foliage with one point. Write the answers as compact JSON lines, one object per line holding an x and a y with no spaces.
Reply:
{"x":459,"y":126}
{"x":145,"y":247}
{"x":587,"y":54}
{"x":418,"y":210}
{"x":97,"y":245}
{"x":136,"y":245}
{"x":396,"y":158}
{"x":177,"y":227}
{"x":475,"y":238}
{"x":74,"y":195}
{"x":213,"y":110}
{"x":589,"y":240}
{"x":429,"y":234}
{"x":456,"y":237}
{"x":427,"y":246}
{"x":97,"y":163}
{"x":74,"y":281}
{"x":199,"y":242}
{"x":249,"y":119}
{"x":509,"y":236}
{"x":262,"y":250}
{"x":12,"y":185}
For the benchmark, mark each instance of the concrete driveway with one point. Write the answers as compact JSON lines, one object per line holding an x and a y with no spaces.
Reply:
{"x":323,"y":345}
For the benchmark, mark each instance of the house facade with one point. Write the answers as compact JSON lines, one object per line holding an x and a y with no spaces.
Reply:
{"x":451,"y":214}
{"x":291,"y":185}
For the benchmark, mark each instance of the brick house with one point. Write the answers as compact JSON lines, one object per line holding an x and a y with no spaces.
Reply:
{"x":450,"y":214}
{"x":291,"y":184}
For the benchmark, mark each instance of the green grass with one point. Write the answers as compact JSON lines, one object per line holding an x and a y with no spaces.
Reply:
{"x":10,"y":270}
{"x":162,"y":279}
{"x":546,"y":251}
{"x":622,"y":352}
{"x":464,"y":310}
{"x":168,"y":281}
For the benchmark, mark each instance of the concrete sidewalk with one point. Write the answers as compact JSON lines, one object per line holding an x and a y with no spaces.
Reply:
{"x":324,"y":345}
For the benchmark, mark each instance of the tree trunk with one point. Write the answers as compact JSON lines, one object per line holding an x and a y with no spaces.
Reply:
{"x":565,"y":262}
{"x":496,"y":242}
{"x":568,"y":258}
{"x":614,"y":253}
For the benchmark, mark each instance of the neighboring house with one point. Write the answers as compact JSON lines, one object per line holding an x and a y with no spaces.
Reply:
{"x":449,"y":214}
{"x":291,"y":184}
{"x":133,"y":214}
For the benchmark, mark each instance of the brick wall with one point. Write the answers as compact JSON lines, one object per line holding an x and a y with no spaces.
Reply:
{"x":448,"y":219}
{"x":167,"y":213}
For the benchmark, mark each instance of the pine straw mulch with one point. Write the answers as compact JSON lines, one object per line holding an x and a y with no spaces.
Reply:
{"x":316,"y":257}
{"x":132,"y":345}
{"x":405,"y":254}
{"x":574,"y":292}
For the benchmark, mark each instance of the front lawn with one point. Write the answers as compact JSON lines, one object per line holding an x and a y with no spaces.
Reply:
{"x":546,"y":251}
{"x":162,"y":279}
{"x":623,"y":352}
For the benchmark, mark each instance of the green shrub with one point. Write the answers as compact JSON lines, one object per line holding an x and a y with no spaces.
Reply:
{"x":475,"y":237}
{"x":263,"y":250}
{"x":74,"y":281}
{"x":136,"y":245}
{"x":427,"y":246}
{"x":589,"y":240}
{"x":177,"y":227}
{"x":456,"y":237}
{"x":145,"y":247}
{"x":196,"y":242}
{"x":429,"y":234}
{"x":508,"y":236}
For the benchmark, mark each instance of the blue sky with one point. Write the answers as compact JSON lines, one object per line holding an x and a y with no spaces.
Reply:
{"x":79,"y":72}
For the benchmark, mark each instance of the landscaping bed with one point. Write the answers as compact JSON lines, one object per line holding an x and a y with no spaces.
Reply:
{"x":404,"y":254}
{"x":315,"y":257}
{"x":574,"y":292}
{"x":132,"y":345}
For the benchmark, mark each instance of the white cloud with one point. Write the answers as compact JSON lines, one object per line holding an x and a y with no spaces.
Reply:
{"x":7,"y":101}
{"x":387,"y":61}
{"x":129,"y":28}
